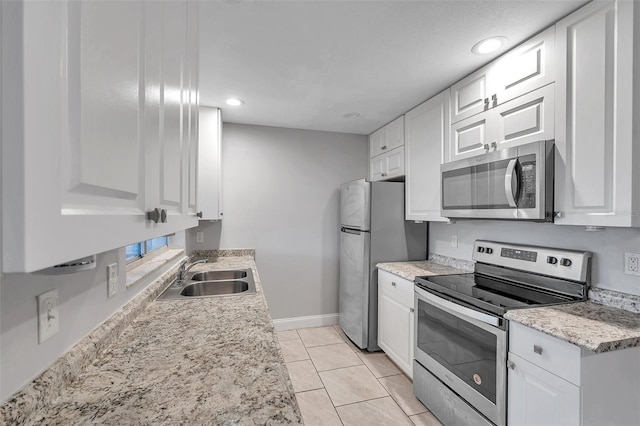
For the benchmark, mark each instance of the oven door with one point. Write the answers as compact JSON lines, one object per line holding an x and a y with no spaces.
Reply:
{"x":465,"y":349}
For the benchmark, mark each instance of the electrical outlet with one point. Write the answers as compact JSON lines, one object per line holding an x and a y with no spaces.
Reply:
{"x":199,"y":237}
{"x":48,"y":321}
{"x":632,"y":264}
{"x":454,"y":241}
{"x":112,"y":279}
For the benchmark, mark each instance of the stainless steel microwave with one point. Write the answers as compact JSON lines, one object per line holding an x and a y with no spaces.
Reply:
{"x":514,"y":183}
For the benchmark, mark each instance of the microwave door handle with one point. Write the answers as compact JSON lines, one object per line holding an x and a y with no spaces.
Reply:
{"x":508,"y":183}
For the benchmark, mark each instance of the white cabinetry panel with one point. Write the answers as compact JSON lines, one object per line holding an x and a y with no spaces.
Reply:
{"x":469,"y":137}
{"x":596,"y":162}
{"x":387,"y":166}
{"x":387,"y":138}
{"x":426,"y":140}
{"x":78,"y":139}
{"x":469,"y":94}
{"x":209,"y":164}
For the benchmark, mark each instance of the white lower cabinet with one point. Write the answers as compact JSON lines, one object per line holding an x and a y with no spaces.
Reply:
{"x":388,"y":165}
{"x":553,"y":382}
{"x":395,"y":319}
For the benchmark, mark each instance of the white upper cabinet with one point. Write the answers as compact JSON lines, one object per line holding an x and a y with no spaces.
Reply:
{"x":209,"y":164}
{"x":386,"y":151}
{"x":387,"y":138}
{"x":597,"y":159}
{"x":470,"y":96}
{"x":426,"y":139}
{"x":82,"y":98}
{"x":524,"y":69}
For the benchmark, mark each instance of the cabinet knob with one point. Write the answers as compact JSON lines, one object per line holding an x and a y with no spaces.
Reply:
{"x":163,"y":215}
{"x":383,"y":147}
{"x":393,"y":284}
{"x":494,"y":145}
{"x":486,"y":104}
{"x":199,"y":214}
{"x":486,"y":147}
{"x":511,"y":365}
{"x":411,"y":310}
{"x":153,"y":215}
{"x":537,"y":349}
{"x":221,"y":213}
{"x":384,"y":174}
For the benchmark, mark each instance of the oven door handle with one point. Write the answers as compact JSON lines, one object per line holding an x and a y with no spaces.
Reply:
{"x":454,"y":308}
{"x":509,"y":189}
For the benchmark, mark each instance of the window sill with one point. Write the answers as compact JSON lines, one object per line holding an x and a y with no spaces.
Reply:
{"x":140,"y":270}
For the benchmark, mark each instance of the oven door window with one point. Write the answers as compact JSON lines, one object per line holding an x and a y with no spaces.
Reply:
{"x":462,"y":348}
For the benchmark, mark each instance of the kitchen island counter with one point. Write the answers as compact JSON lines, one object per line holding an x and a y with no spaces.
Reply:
{"x":204,"y":361}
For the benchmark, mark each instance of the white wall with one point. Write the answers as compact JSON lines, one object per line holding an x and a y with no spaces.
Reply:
{"x":607,"y":246}
{"x":82,"y":305}
{"x":281,"y":197}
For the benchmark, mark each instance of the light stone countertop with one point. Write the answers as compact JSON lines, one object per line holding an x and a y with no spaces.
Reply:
{"x":412,"y":269}
{"x":203,"y":361}
{"x":592,"y":326}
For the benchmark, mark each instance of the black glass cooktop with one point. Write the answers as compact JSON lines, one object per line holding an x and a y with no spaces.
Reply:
{"x":488,"y":293}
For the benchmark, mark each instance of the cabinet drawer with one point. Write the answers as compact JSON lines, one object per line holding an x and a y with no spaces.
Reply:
{"x":552,"y":354}
{"x":396,"y":288}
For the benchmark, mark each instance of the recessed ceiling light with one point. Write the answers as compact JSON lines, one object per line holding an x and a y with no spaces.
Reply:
{"x":351,"y":115}
{"x":235,"y":101}
{"x":489,"y":45}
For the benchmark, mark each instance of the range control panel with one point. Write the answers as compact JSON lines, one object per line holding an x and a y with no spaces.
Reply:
{"x":560,"y":263}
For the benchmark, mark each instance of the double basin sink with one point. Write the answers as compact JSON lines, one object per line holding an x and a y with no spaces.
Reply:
{"x":212,"y":283}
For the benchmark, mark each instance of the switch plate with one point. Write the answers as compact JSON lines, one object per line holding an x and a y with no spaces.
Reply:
{"x":48,"y":321}
{"x":632,"y":263}
{"x":112,"y":279}
{"x":454,"y":241}
{"x":199,"y":237}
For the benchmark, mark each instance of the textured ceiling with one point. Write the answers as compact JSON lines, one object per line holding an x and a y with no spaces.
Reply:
{"x":304,"y":64}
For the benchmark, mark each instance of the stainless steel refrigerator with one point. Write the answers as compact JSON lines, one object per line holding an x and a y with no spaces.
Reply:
{"x":372,"y":230}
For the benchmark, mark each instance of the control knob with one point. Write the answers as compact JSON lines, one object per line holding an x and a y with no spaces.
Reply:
{"x":480,"y":249}
{"x":489,"y":250}
{"x":552,"y":260}
{"x":565,"y":262}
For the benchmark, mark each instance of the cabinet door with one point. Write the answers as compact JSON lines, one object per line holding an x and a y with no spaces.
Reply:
{"x":378,"y":168}
{"x":192,"y":128}
{"x":75,"y":160}
{"x":469,"y":137}
{"x":525,"y":68}
{"x":395,"y":163}
{"x":394,"y":133}
{"x":469,"y":94}
{"x":528,"y":118}
{"x":377,"y":142}
{"x":394,"y":327}
{"x":594,"y":117}
{"x":537,"y":397}
{"x":426,"y":141}
{"x":209,"y":176}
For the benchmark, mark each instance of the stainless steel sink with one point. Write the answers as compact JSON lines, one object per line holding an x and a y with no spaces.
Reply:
{"x":218,"y":275}
{"x":212,"y":283}
{"x":214,"y":288}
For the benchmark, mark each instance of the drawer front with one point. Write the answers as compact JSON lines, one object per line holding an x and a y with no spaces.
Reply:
{"x":396,"y":288}
{"x":552,"y":354}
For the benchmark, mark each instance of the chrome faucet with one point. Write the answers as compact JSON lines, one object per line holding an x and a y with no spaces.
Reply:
{"x":182,"y":271}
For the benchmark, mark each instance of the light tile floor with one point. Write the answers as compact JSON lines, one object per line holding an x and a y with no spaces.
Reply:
{"x":338,"y":384}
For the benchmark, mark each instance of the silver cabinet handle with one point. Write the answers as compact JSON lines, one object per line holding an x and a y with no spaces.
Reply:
{"x":154,"y":215}
{"x":384,"y":174}
{"x":511,"y":365}
{"x":494,"y":98}
{"x":486,"y":104}
{"x":486,"y":147}
{"x":383,"y":147}
{"x":411,"y":310}
{"x":494,"y":145}
{"x":537,"y":349}
{"x":199,"y":214}
{"x":393,"y":284}
{"x":163,"y":215}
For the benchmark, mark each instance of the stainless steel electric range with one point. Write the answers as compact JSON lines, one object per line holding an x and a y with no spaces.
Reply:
{"x":461,"y":336}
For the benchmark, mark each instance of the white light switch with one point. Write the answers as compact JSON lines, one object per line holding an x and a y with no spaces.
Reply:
{"x":199,"y":237}
{"x":48,"y":321}
{"x":112,"y":279}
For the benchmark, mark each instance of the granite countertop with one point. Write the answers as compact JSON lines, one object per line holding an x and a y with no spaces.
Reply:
{"x":592,"y":326}
{"x":412,"y":269}
{"x":203,"y":361}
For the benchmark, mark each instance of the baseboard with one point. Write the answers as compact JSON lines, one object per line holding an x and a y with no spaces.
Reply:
{"x":305,"y":322}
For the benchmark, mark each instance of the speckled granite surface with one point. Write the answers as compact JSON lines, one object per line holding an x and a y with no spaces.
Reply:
{"x":214,"y":254}
{"x":589,"y":325}
{"x":466,"y":265}
{"x":201,"y":361}
{"x":412,"y":269}
{"x":615,"y":299}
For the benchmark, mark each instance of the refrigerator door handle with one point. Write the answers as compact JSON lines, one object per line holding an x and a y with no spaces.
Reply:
{"x":351,"y":231}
